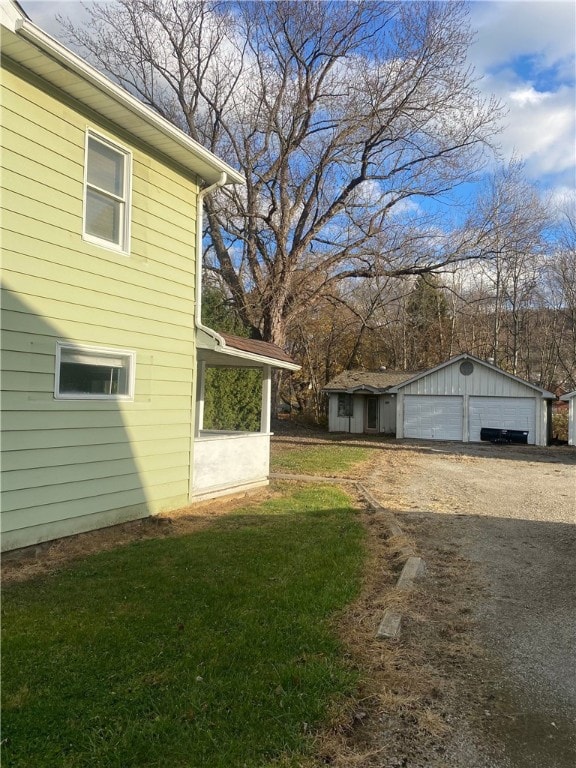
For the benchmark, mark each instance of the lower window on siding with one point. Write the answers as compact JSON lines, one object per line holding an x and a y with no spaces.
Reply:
{"x":94,"y":373}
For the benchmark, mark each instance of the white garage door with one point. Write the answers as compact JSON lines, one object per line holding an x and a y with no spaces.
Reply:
{"x":502,"y":413}
{"x":433,"y":417}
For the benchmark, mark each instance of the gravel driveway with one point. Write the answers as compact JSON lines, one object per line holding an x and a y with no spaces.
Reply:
{"x":507,"y":516}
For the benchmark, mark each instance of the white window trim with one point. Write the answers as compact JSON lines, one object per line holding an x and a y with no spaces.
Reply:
{"x":125,"y":230}
{"x":130,"y":354}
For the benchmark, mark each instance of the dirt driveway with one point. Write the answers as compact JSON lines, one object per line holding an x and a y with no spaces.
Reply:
{"x":497,"y":526}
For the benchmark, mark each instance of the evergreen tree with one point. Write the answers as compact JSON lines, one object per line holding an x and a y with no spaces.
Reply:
{"x":427,"y":321}
{"x":232,"y":396}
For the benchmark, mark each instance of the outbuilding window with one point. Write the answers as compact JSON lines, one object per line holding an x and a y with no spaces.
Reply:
{"x":107,"y":175}
{"x":345,"y":405}
{"x":94,"y":373}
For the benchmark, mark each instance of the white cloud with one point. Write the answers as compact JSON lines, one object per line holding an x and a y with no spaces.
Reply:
{"x":525,"y":53}
{"x":541,"y":128}
{"x":527,"y":96}
{"x":507,"y":29}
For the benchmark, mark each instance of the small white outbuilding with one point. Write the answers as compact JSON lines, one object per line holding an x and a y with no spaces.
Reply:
{"x":571,"y":399}
{"x":455,"y":400}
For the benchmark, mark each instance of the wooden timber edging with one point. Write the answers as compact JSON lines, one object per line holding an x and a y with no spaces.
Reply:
{"x":414,"y":566}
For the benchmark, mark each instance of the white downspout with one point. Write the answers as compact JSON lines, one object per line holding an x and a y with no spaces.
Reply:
{"x":199,"y":228}
{"x":198,"y":383}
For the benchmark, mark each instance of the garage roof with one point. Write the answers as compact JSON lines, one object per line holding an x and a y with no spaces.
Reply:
{"x":379,"y":382}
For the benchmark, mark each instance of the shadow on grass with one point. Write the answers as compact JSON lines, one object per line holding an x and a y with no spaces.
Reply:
{"x":210,"y":649}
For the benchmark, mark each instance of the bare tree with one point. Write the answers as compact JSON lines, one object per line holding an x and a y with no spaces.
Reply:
{"x":561,"y":295}
{"x":510,"y":219}
{"x":337,"y":112}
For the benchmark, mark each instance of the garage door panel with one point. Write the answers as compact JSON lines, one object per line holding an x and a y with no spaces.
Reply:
{"x":502,"y":413}
{"x":433,"y":418}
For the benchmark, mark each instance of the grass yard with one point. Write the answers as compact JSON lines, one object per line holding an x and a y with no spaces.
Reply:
{"x":215,"y":649}
{"x":330,"y":459}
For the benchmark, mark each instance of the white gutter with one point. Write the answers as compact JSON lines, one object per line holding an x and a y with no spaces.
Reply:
{"x":66,"y":58}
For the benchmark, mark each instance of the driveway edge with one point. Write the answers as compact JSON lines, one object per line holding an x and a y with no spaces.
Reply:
{"x":414,"y":566}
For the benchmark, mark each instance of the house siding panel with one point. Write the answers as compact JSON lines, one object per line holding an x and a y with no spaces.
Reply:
{"x":354,"y":424}
{"x":75,"y":465}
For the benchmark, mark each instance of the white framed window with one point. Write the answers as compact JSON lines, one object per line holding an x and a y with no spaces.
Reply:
{"x":94,"y":373}
{"x":107,"y":186}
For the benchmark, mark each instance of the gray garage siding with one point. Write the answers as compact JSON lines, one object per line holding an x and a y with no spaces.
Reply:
{"x":482,"y":381}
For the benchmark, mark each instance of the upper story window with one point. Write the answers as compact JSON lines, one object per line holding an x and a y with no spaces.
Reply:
{"x":107,"y":176}
{"x":86,"y":373}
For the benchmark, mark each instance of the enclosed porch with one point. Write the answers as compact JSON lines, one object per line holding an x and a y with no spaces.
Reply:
{"x":233,"y":460}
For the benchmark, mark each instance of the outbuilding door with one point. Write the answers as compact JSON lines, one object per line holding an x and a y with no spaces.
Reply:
{"x":502,"y":413}
{"x":433,"y":417}
{"x":371,"y":414}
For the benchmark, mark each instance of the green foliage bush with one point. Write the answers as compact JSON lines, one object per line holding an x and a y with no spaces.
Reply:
{"x":232,"y":396}
{"x":232,"y":399}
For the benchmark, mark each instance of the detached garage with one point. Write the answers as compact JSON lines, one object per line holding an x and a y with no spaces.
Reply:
{"x":461,"y":397}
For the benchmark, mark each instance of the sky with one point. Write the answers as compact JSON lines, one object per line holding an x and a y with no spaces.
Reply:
{"x":524,"y":53}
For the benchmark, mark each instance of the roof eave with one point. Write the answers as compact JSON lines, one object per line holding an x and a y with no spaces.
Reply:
{"x":211,"y":341}
{"x":258,"y":359}
{"x":200,"y":161}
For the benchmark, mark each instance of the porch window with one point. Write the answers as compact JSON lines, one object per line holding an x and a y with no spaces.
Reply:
{"x":345,"y":406}
{"x":94,"y":373}
{"x":106,"y":193}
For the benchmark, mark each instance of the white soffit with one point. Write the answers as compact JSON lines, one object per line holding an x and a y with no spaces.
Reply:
{"x":33,"y":49}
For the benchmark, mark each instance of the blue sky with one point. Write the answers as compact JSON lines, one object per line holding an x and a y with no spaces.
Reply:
{"x":524,"y":53}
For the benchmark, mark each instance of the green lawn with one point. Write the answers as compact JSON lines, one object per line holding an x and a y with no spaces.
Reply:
{"x":318,"y":459}
{"x":214,"y":649}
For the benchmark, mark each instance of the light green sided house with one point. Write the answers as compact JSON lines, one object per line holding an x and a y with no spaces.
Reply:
{"x":103,"y":351}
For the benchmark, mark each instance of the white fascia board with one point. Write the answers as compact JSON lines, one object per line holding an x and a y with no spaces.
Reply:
{"x":10,"y":15}
{"x":259,"y":359}
{"x":568,"y":396}
{"x":201,"y":161}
